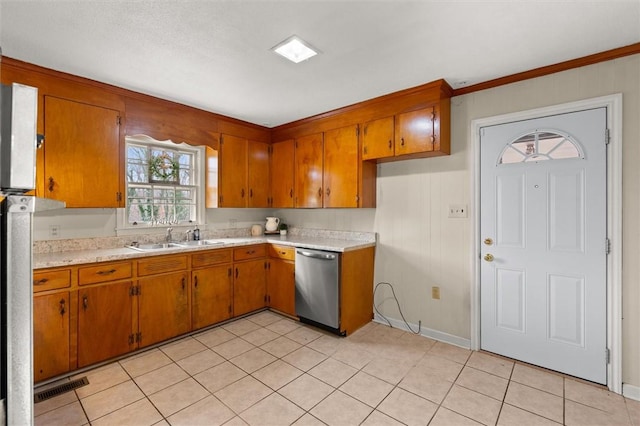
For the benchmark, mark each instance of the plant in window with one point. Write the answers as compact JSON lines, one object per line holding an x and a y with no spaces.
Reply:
{"x":163,"y":168}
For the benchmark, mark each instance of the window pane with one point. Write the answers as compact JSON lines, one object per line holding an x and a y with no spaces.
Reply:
{"x":540,"y":146}
{"x":160,"y":184}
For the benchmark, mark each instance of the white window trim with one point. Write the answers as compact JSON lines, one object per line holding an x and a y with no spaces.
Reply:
{"x":122,"y":224}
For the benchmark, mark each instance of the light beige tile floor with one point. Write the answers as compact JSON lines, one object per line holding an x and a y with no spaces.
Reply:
{"x":269,"y":370}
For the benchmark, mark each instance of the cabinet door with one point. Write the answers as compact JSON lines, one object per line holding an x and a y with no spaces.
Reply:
{"x":282,"y":174}
{"x":212,"y":292}
{"x":341,"y":167}
{"x":163,"y":307}
{"x":82,"y":154}
{"x":233,"y":172}
{"x":377,"y":139}
{"x":308,"y":171}
{"x":50,"y":335}
{"x":281,"y":288}
{"x":258,"y":174}
{"x":104,"y":322}
{"x":249,"y":286}
{"x":414,"y":131}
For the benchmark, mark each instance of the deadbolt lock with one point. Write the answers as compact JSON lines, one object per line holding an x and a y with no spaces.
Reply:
{"x":488,"y":257}
{"x":488,"y":241}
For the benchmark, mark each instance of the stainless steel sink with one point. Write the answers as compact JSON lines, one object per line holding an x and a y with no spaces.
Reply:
{"x":153,"y":247}
{"x":200,"y":243}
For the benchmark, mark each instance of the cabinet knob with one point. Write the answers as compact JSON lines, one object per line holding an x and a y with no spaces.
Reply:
{"x":51,"y":183}
{"x":402,"y":141}
{"x":85,"y":302}
{"x":319,"y":192}
{"x":63,"y":308}
{"x":390,"y":144}
{"x":328,"y":191}
{"x":291,"y":193}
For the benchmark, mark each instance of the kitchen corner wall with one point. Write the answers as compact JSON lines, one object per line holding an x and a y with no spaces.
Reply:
{"x":420,"y":247}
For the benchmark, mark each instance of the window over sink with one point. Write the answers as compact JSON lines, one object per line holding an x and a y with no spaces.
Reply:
{"x":164,"y":183}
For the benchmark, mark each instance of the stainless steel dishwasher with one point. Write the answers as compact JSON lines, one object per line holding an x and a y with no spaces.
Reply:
{"x":318,"y":288}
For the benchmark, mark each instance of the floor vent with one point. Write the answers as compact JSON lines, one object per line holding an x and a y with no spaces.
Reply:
{"x":60,"y":389}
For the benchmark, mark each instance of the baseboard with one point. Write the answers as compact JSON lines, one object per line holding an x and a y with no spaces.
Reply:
{"x":426,"y":332}
{"x":631,"y":391}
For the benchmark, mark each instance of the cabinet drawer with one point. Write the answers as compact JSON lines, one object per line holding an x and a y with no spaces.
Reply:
{"x":250,"y":252}
{"x":49,"y":280}
{"x":282,"y":252}
{"x":160,"y":265}
{"x":210,"y":257}
{"x":100,"y":273}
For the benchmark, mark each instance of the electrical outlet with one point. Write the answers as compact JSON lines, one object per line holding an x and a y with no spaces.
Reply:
{"x":435,"y":292}
{"x":233,"y":223}
{"x":54,"y":230}
{"x":458,"y":210}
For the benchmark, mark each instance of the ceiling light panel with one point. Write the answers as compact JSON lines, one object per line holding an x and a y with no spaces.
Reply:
{"x":295,"y":49}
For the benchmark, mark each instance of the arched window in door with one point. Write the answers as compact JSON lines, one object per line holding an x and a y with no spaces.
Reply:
{"x":541,"y":145}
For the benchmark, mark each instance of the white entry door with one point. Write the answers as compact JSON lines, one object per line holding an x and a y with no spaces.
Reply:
{"x":543,"y":229}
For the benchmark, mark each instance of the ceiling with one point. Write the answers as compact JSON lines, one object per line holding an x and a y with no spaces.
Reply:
{"x":215,"y":55}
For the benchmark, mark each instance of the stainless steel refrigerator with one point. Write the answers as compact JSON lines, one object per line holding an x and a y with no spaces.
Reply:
{"x":18,"y":144}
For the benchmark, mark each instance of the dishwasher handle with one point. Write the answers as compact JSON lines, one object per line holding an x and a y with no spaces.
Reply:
{"x":323,"y":256}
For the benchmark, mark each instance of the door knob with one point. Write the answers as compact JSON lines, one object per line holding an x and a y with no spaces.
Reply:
{"x":488,"y":257}
{"x":488,"y":241}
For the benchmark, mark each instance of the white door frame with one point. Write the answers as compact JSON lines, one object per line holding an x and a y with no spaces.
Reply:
{"x":613,"y":103}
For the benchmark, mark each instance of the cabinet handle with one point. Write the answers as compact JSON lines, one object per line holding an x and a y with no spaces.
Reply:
{"x":63,"y":308}
{"x":51,"y":183}
{"x":328,"y":191}
{"x":251,"y":193}
{"x":236,"y":272}
{"x":283,"y":252}
{"x":195,"y":281}
{"x":85,"y":302}
{"x":183,"y":282}
{"x":390,"y":143}
{"x":242,"y":193}
{"x":291,"y":193}
{"x":319,"y":192}
{"x":109,"y":272}
{"x":365,"y":149}
{"x":41,"y":281}
{"x":251,"y":251}
{"x":402,"y":141}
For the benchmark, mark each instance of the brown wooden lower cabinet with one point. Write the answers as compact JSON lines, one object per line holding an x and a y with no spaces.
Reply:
{"x":249,"y":286}
{"x":51,"y":332}
{"x":163,"y":307}
{"x":212,"y":295}
{"x":166,"y":296}
{"x":105,"y":317}
{"x":281,"y":286}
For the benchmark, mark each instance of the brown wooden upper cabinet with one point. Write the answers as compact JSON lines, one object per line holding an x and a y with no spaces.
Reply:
{"x":340,"y":177}
{"x":282,"y":174}
{"x":258,"y":174}
{"x":377,"y":139}
{"x":327,"y":169}
{"x":308,"y":171}
{"x":82,"y":154}
{"x":414,"y":131}
{"x":244,"y":173}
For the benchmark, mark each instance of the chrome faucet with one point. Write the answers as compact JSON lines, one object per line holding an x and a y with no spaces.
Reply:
{"x":168,"y":238}
{"x":188,"y":237}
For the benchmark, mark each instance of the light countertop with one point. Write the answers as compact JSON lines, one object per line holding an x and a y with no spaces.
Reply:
{"x":76,"y":257}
